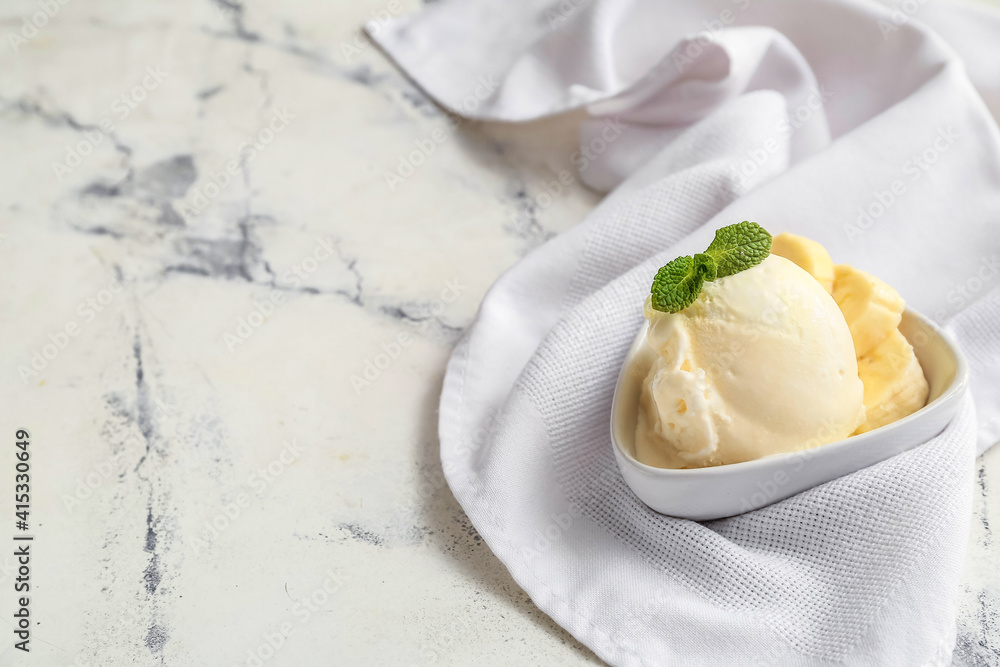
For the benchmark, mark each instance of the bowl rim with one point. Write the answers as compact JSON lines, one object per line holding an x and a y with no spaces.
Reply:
{"x":958,"y":385}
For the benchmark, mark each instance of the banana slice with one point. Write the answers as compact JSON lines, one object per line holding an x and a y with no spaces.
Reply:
{"x":893,"y":379}
{"x":808,"y":254}
{"x":894,"y":382}
{"x":872,"y":308}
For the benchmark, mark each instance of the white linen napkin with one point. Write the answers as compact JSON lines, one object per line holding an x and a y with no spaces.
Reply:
{"x":846,"y":121}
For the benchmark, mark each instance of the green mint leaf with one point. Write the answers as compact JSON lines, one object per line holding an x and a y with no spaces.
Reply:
{"x":734,"y":249}
{"x":704,"y":266}
{"x":739,"y":247}
{"x":677,"y":284}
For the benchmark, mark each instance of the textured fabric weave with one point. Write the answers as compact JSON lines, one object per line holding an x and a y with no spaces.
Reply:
{"x":800,"y":116}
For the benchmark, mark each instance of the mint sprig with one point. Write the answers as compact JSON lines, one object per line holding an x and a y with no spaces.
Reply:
{"x":678,"y":282}
{"x":735,"y":248}
{"x":738,"y":247}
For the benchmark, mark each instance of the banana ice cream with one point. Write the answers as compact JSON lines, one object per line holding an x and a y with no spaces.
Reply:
{"x":761,"y":363}
{"x":894,"y":382}
{"x":784,"y":354}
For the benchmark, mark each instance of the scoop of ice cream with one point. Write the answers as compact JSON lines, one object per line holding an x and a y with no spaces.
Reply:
{"x":761,"y":363}
{"x":809,"y":255}
{"x":887,"y":365}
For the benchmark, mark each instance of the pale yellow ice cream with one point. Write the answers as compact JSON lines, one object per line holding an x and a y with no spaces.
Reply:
{"x":887,"y":365}
{"x":761,"y":363}
{"x":808,"y":255}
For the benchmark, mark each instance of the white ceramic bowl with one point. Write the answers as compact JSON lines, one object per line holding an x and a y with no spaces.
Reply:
{"x":721,"y":491}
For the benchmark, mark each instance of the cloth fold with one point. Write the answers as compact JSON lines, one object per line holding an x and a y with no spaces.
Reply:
{"x":844,"y":121}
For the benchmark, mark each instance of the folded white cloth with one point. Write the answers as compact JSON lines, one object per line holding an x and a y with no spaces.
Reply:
{"x":846,"y":121}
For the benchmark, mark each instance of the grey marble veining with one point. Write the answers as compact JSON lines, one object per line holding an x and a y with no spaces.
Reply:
{"x":235,"y":453}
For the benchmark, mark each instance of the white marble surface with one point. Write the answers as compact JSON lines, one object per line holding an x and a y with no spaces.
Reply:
{"x":201,"y":485}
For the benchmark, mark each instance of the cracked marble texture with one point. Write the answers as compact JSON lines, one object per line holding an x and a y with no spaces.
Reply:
{"x":227,"y":340}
